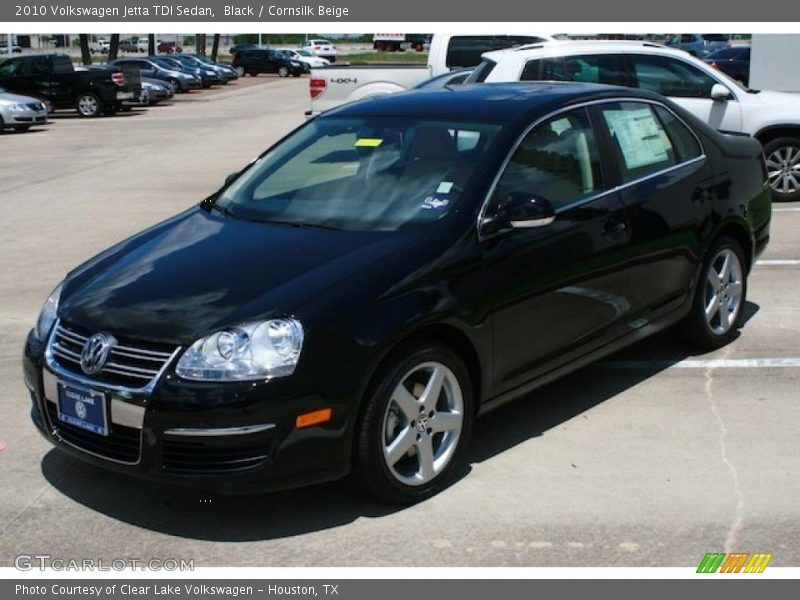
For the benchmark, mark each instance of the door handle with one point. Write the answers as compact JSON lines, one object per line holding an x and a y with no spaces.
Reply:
{"x":614,"y":227}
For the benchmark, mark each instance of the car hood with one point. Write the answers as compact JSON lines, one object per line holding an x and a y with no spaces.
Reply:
{"x":775,"y":98}
{"x":200,"y":272}
{"x":6,"y":98}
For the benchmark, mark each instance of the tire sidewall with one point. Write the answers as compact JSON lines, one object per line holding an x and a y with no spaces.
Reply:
{"x":97,"y":112}
{"x":772,"y":146}
{"x":370,"y":466}
{"x":698,"y":328}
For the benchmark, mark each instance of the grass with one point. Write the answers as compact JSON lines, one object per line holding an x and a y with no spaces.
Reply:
{"x":366,"y":58}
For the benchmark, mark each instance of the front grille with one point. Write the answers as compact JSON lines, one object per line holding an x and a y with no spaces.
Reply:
{"x":130,"y":364}
{"x":121,"y":444}
{"x":205,"y":456}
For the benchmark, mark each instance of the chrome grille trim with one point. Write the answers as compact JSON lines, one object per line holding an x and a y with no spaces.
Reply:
{"x":65,"y":363}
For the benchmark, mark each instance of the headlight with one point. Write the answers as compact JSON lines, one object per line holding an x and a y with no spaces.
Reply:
{"x":18,"y":108}
{"x":261,"y":350}
{"x":48,"y":315}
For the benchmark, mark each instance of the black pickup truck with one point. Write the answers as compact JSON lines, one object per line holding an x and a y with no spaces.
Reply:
{"x":52,"y":77}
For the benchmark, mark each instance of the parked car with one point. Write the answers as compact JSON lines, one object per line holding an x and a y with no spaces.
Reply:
{"x":152,"y":92}
{"x":337,"y":85}
{"x":233,"y":50}
{"x":304,"y":56}
{"x":452,"y":250}
{"x":254,"y":62}
{"x":456,"y":77}
{"x":20,"y":113}
{"x":734,"y":62}
{"x":773,"y":118}
{"x":128,"y":46}
{"x":53,"y":78}
{"x":209,"y":74}
{"x":155,"y":68}
{"x":14,"y":49}
{"x":321,"y":48}
{"x":699,"y":44}
{"x":100,"y":47}
{"x":168,"y":48}
{"x":227,"y":72}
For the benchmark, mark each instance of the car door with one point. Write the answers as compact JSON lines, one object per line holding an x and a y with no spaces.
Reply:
{"x":686,"y":85}
{"x":664,"y":180}
{"x":557,"y":290}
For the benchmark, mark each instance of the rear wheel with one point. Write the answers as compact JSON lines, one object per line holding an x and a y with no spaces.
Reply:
{"x":717,"y":312}
{"x":783,"y":168}
{"x":253,"y":73}
{"x":240,"y":71}
{"x":415,"y":424}
{"x":89,"y":105}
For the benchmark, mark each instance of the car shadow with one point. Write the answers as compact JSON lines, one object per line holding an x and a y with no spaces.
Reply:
{"x":189,"y":513}
{"x":66,"y":116}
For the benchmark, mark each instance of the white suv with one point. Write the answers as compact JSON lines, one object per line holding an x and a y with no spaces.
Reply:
{"x":771,"y":117}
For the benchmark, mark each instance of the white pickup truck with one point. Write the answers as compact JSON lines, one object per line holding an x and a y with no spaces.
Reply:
{"x":336,"y":85}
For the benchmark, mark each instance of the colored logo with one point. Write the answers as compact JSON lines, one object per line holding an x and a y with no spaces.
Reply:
{"x":735,"y":562}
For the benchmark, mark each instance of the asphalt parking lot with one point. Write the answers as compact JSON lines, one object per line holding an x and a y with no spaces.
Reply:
{"x":652,"y":458}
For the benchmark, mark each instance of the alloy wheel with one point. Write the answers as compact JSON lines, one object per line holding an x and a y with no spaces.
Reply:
{"x":422,"y":424}
{"x":88,"y":105}
{"x":723,"y":291}
{"x":783,"y":169}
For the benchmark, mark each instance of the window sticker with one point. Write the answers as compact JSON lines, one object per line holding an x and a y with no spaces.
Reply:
{"x":435,"y":203}
{"x":639,"y":135}
{"x":444,"y":187}
{"x":368,"y":142}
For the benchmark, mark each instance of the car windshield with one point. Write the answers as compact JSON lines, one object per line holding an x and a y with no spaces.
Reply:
{"x":305,"y":52}
{"x":364,"y":173}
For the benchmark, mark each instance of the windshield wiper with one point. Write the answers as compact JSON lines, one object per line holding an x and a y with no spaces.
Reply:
{"x":224,"y":210}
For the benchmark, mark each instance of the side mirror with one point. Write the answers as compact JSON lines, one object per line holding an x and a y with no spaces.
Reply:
{"x":720,"y":93}
{"x":232,"y":177}
{"x":519,"y":211}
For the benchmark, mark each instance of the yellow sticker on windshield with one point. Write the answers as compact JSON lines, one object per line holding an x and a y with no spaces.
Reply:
{"x":368,"y":142}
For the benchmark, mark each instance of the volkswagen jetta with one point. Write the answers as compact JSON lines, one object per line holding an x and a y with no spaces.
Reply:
{"x":351,"y":300}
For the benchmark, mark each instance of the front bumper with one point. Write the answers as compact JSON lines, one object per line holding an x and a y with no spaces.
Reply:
{"x":25,"y":118}
{"x":232,"y":438}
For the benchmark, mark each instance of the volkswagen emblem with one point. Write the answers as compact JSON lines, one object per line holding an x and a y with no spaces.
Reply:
{"x":80,"y":410}
{"x":95,"y":352}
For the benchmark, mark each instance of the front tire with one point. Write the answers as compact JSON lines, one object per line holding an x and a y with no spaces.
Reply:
{"x":718,"y":308}
{"x":283,"y":72}
{"x":89,"y":105}
{"x":783,"y":168}
{"x":415,"y":424}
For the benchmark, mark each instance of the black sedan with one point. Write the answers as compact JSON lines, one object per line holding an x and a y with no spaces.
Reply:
{"x":353,"y":299}
{"x":256,"y":61}
{"x":734,"y":62}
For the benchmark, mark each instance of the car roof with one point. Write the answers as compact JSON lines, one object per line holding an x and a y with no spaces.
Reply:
{"x":491,"y":102}
{"x":562,"y":47}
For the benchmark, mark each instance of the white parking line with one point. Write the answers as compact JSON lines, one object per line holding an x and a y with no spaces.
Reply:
{"x":709,"y":363}
{"x":777,"y":263}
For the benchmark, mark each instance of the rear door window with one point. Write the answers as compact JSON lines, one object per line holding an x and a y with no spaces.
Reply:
{"x":640,"y":139}
{"x":590,"y":68}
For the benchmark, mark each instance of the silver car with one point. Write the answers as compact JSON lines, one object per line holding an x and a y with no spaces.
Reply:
{"x":20,"y":112}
